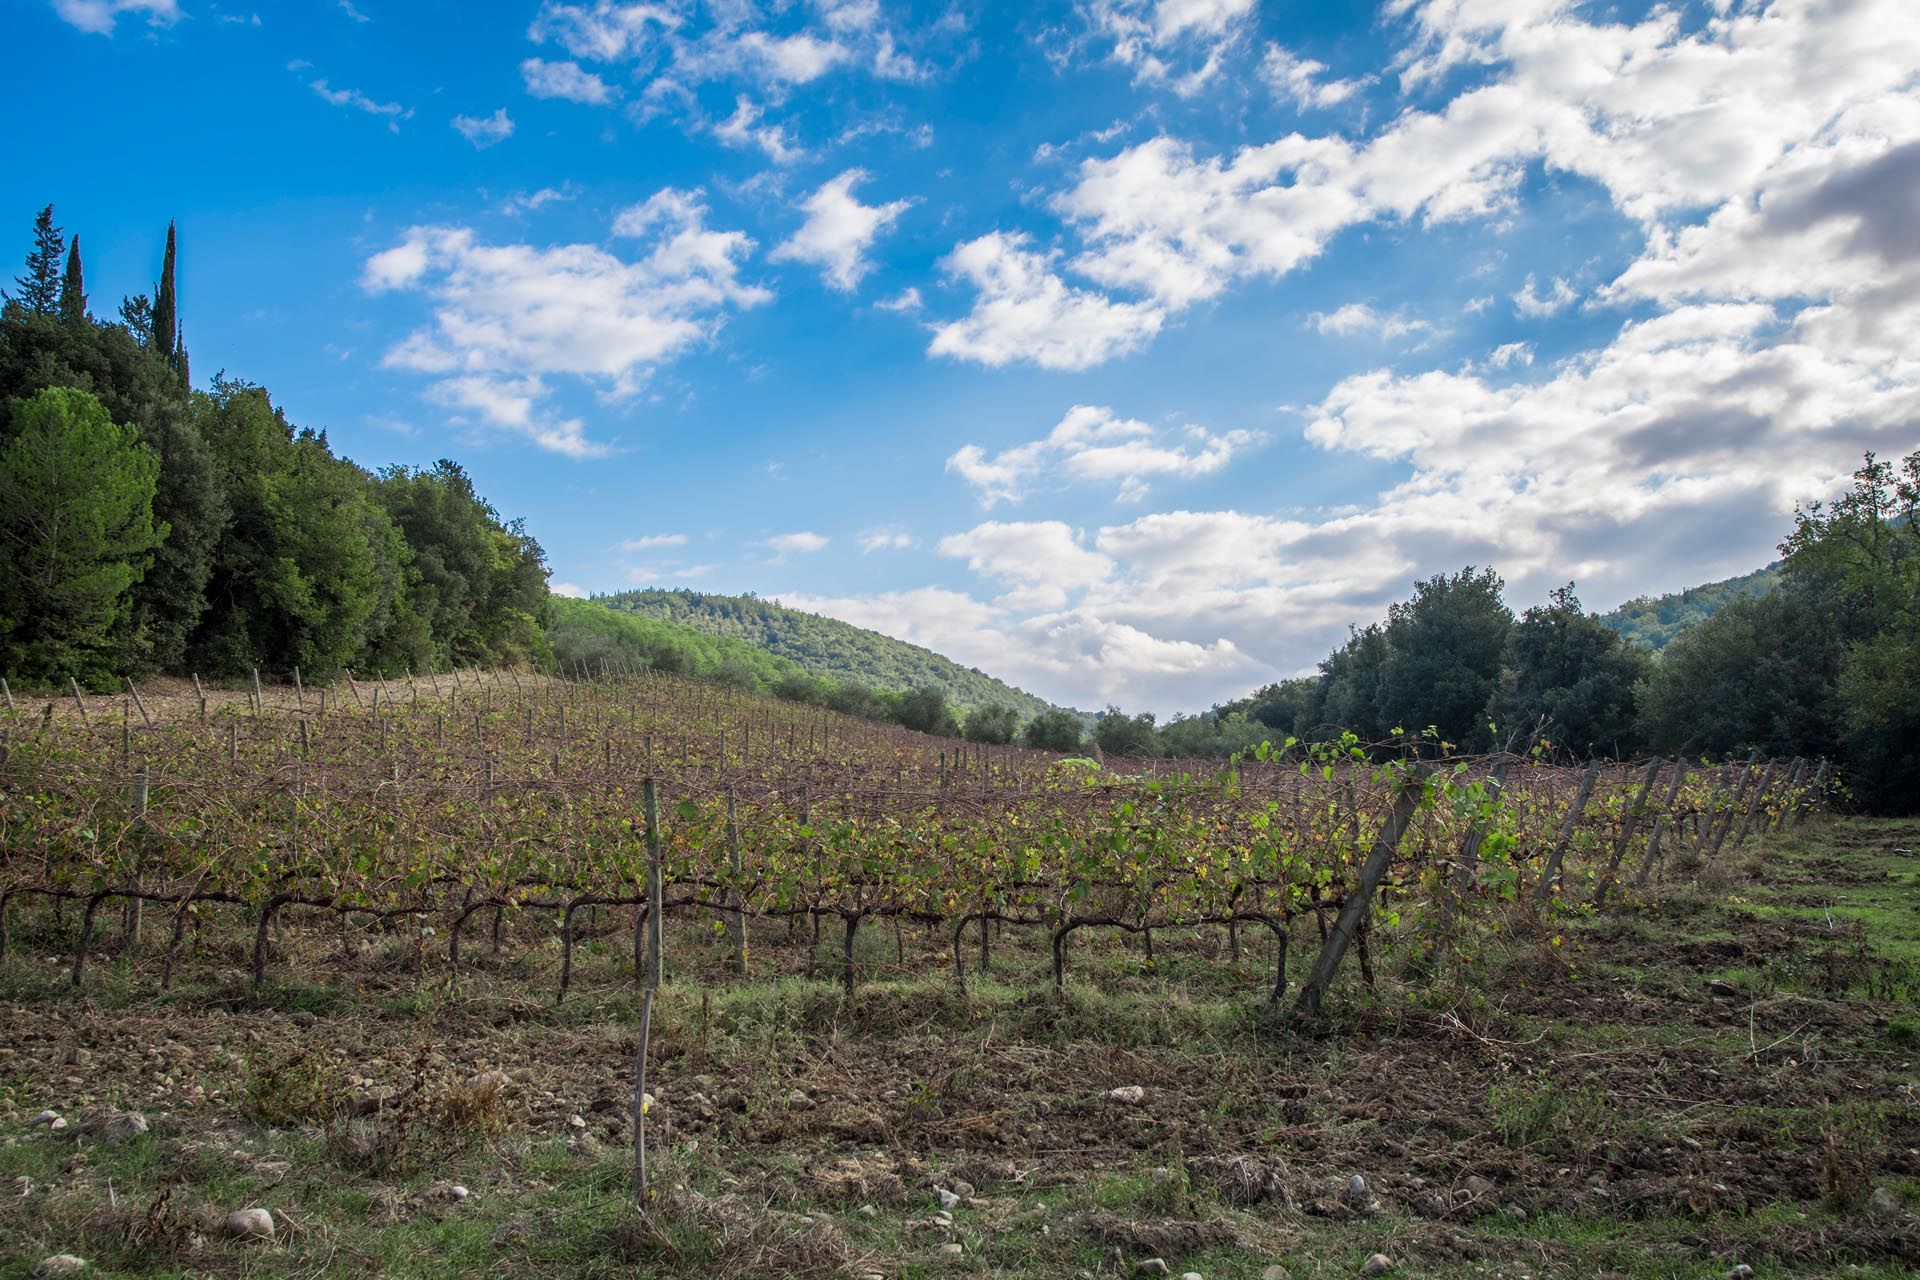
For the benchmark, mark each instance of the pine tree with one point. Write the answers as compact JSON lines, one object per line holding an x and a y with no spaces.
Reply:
{"x":166,"y":318}
{"x":40,"y":285}
{"x":73,"y":288}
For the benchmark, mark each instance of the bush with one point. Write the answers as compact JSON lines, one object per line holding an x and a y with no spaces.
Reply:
{"x":1055,"y":730}
{"x":994,"y":725}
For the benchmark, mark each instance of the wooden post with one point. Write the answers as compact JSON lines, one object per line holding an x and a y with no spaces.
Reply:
{"x":144,"y":717}
{"x":1628,"y":821}
{"x":737,"y":921}
{"x":299,"y":690}
{"x":1661,"y":820}
{"x":656,"y":904}
{"x":8,"y":690}
{"x":131,"y":927}
{"x":1468,"y":868}
{"x":640,"y":1096}
{"x":1749,"y":774}
{"x":1815,"y":790}
{"x":201,"y":694}
{"x":78,"y":702}
{"x":259,"y":700}
{"x":1753,"y":804}
{"x":1551,"y":873}
{"x":1360,"y":899}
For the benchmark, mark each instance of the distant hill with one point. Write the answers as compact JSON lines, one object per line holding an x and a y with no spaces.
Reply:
{"x":827,"y":647}
{"x":1652,"y":621}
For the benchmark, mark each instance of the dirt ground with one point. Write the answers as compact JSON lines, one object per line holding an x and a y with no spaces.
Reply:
{"x":1722,"y":1077}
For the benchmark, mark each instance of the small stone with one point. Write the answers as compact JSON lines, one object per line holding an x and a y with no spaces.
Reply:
{"x":123,"y":1126}
{"x":250,"y":1224}
{"x":1275,"y":1272}
{"x":457,"y":1192}
{"x":943,"y":1217}
{"x":1191,"y":1275}
{"x":1722,"y":988}
{"x":1884,"y":1203}
{"x":56,"y":1124}
{"x":799,"y":1100}
{"x":1478,"y":1187}
{"x":46,"y":1117}
{"x":1378,"y":1265}
{"x":948,"y":1199}
{"x":21,"y":1186}
{"x":60,"y":1264}
{"x":1128,"y":1095}
{"x":952,"y":1250}
{"x":1153,"y":1267}
{"x":1741,"y":1272}
{"x":577,"y":1122}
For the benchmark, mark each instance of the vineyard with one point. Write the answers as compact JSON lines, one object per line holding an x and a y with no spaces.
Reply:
{"x":495,"y":795}
{"x":404,"y":977}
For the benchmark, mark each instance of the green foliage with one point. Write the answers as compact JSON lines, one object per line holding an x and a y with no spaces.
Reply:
{"x":1444,"y":649}
{"x":826,"y":647}
{"x":1652,"y":622}
{"x":585,"y":633}
{"x":926,"y":711}
{"x":1570,"y":669}
{"x":994,"y":725}
{"x":76,"y":533}
{"x":1119,"y":734}
{"x":1211,"y":735}
{"x":1055,"y":730}
{"x":73,"y":287}
{"x":39,"y":284}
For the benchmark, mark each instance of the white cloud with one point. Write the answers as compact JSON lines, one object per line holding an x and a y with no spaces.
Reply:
{"x":526,"y":202}
{"x":887,"y":538}
{"x":1023,"y":311}
{"x":1178,"y":44}
{"x":485,"y":131}
{"x":507,"y":317}
{"x":654,"y":541}
{"x":1042,"y":561}
{"x":743,"y":129}
{"x":1301,"y":80}
{"x":1357,"y":318}
{"x":1508,"y":354}
{"x":392,"y":112}
{"x":353,"y":14}
{"x":567,"y":589}
{"x":805,"y":542}
{"x":908,"y":299}
{"x":839,"y":230}
{"x":1091,"y":444}
{"x":603,"y":31}
{"x":565,"y":80}
{"x":1532,"y":303}
{"x":99,"y":16}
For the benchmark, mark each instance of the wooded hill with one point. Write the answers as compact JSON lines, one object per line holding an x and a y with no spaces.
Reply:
{"x":1652,"y":621}
{"x":826,"y":647}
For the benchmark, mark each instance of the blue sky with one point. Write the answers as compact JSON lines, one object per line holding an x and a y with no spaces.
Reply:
{"x":1128,"y":349}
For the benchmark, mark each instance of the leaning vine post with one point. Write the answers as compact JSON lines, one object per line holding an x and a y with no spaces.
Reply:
{"x":1661,"y":820}
{"x":1360,"y":900}
{"x":640,"y":1098}
{"x":1550,"y":874}
{"x":1628,"y":821}
{"x":656,"y":902}
{"x":736,"y":918}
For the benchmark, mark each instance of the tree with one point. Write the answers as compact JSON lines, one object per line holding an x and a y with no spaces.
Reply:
{"x":995,"y":725}
{"x":1055,"y":730}
{"x":927,"y":711}
{"x":136,"y":313}
{"x":1120,"y":734}
{"x":1349,"y":693}
{"x":1444,"y":649}
{"x":39,"y":284}
{"x":73,"y":288}
{"x":76,"y":532}
{"x":1569,"y":667}
{"x":167,"y":338}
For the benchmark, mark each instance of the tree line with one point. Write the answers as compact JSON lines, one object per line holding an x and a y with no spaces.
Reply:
{"x":146,"y":525}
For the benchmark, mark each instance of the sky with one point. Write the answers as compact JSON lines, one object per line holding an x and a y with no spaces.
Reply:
{"x":1130,"y":350}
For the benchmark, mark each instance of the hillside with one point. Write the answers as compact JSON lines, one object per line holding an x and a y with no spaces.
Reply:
{"x":827,"y":647}
{"x":1652,"y":621}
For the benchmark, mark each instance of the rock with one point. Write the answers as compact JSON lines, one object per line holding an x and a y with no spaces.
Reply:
{"x":1378,"y":1265}
{"x":1275,"y":1273}
{"x":577,"y":1122}
{"x":46,"y":1117}
{"x":457,"y":1192}
{"x":250,"y":1224}
{"x":1722,"y":988}
{"x":21,"y":1186}
{"x":1741,"y":1272}
{"x":952,"y":1250}
{"x":60,"y":1264}
{"x":479,"y":1082}
{"x":122,"y":1126}
{"x":799,"y":1100}
{"x":1191,"y":1275}
{"x":1885,"y":1203}
{"x":1152,"y":1267}
{"x":1478,"y":1187}
{"x":1127,"y":1094}
{"x":948,"y":1199}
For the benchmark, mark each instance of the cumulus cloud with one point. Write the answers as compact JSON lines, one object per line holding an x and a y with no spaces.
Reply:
{"x":805,"y":542}
{"x":744,"y":129}
{"x":1534,"y":304}
{"x":508,"y":317}
{"x":1303,"y":80}
{"x":1358,"y":319}
{"x":839,"y":230}
{"x":566,"y":80}
{"x":1092,"y":444}
{"x":568,"y":589}
{"x":887,"y":538}
{"x":98,"y":16}
{"x":1177,"y":44}
{"x":1024,"y":311}
{"x":485,"y":131}
{"x":1040,"y":561}
{"x":654,"y":541}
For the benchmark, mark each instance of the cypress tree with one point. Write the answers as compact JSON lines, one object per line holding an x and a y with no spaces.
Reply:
{"x":40,"y":285}
{"x":73,"y":288}
{"x":166,"y":318}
